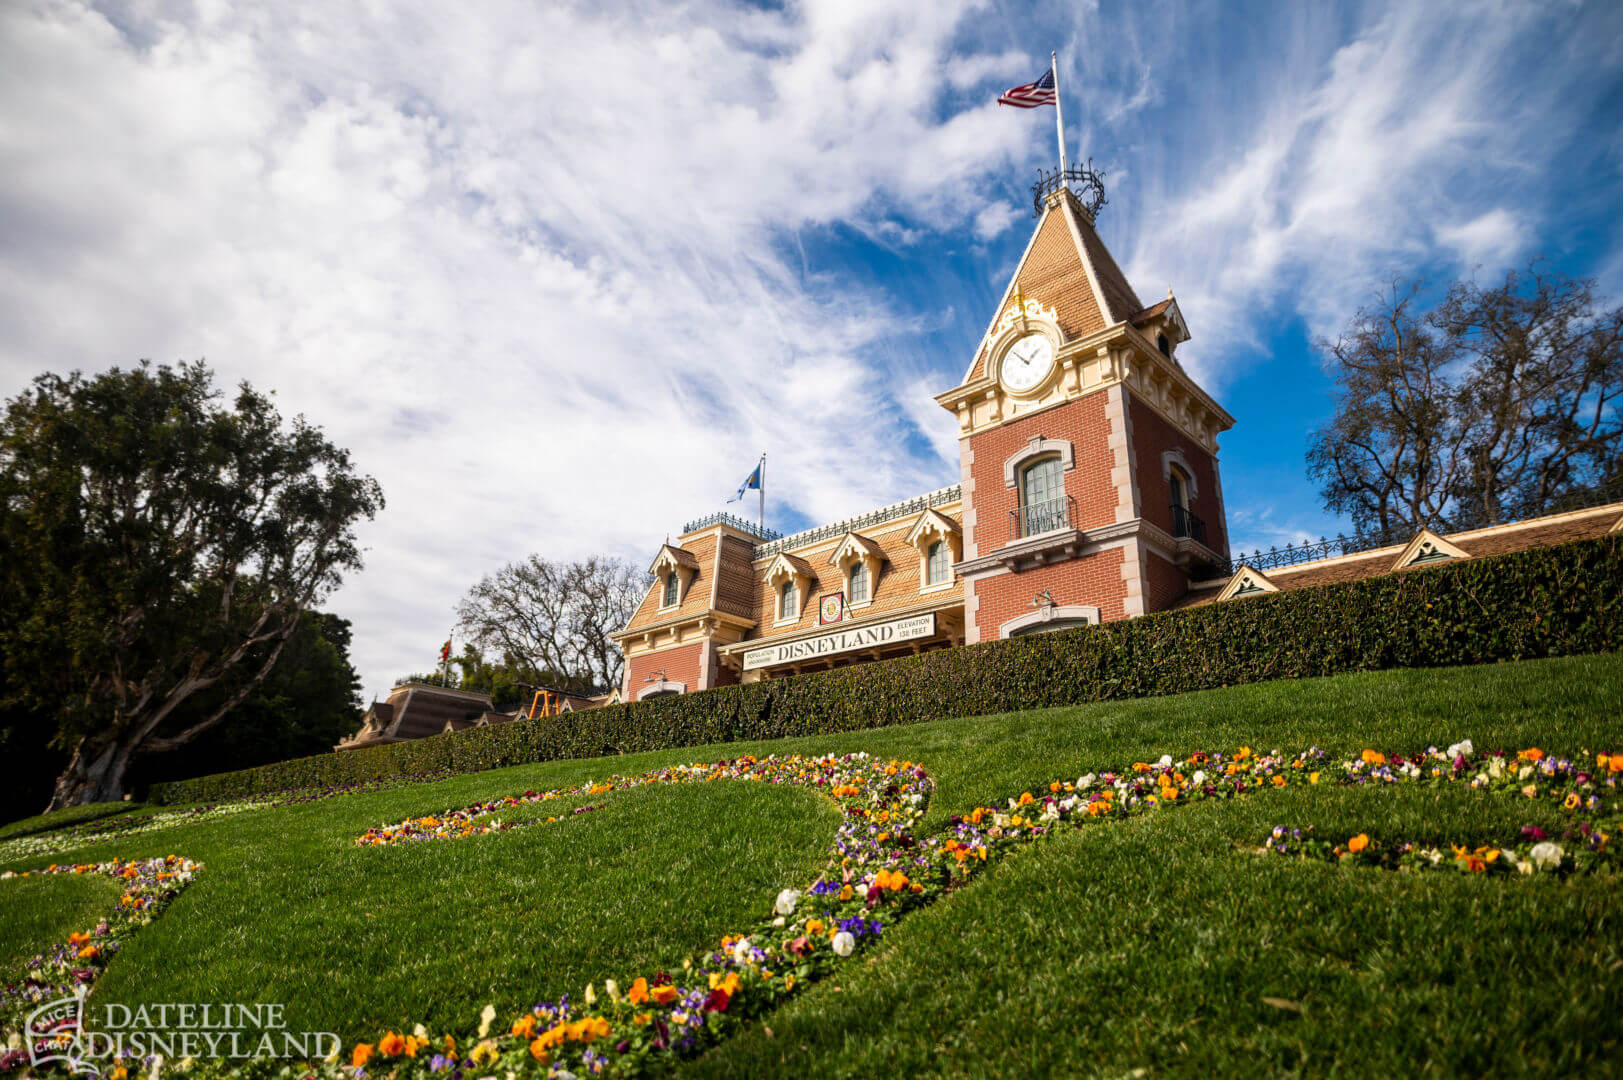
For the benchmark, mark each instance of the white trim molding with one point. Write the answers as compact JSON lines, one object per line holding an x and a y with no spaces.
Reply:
{"x":1038,"y":447}
{"x":662,"y":687}
{"x":1067,"y":614}
{"x":1173,"y":457}
{"x":1427,"y":547}
{"x":1246,"y":582}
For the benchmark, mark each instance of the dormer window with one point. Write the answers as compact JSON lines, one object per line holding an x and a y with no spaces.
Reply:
{"x":937,"y":566}
{"x":937,"y":539}
{"x":1164,"y":345}
{"x":673,"y":586}
{"x":856,"y":588}
{"x":788,"y":600}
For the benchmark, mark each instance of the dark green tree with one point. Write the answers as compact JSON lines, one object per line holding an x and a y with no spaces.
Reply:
{"x":160,"y":545}
{"x":309,"y":701}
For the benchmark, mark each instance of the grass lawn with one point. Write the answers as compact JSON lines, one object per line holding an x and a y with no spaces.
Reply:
{"x":1147,"y":944}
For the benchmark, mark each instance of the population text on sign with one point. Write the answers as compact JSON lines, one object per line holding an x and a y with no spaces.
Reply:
{"x":864,"y":637}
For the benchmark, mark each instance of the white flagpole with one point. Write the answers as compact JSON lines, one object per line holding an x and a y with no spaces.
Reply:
{"x":761,"y":491}
{"x":1059,"y":114}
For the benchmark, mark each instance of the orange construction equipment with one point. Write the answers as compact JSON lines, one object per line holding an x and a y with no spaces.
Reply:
{"x":546,"y":703}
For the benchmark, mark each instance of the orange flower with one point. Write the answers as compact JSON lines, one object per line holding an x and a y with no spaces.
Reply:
{"x":1473,"y":863}
{"x":1617,"y":763}
{"x":845,"y":893}
{"x":89,"y":952}
{"x":664,"y":995}
{"x":1055,"y":786}
{"x":359,"y":1055}
{"x":1243,"y":753}
{"x":391,"y":1045}
{"x":1169,"y":793}
{"x":524,"y":1026}
{"x":1279,"y":781}
{"x":1532,"y":754}
{"x":898,"y":881}
{"x":814,"y":927}
{"x":1358,"y":843}
{"x":644,"y":1019}
{"x":1025,"y":798}
{"x":1374,"y":757}
{"x":639,"y":992}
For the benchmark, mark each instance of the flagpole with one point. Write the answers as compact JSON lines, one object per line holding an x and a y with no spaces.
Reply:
{"x":1059,"y":115}
{"x":761,"y":491}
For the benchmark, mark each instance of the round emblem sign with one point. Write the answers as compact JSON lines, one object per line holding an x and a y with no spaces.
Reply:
{"x":833,"y":608}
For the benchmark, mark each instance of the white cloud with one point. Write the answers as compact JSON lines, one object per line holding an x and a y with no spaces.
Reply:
{"x":1490,"y":240}
{"x":526,"y":263}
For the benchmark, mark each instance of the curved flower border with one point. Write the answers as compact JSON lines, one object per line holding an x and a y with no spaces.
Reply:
{"x":883,"y":867}
{"x":149,"y":886}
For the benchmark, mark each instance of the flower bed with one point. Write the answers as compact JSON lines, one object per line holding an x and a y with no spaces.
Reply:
{"x":882,"y":865}
{"x":149,"y":886}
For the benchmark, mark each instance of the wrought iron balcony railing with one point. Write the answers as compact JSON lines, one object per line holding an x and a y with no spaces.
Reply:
{"x":1187,"y":524}
{"x":1043,"y":517}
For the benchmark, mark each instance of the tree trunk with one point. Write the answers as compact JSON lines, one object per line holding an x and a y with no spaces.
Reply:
{"x":94,"y":774}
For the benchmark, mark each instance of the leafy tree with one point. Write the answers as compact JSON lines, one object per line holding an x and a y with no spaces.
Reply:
{"x":310,"y":700}
{"x":1498,"y":403}
{"x":161,"y":546}
{"x":545,"y":616}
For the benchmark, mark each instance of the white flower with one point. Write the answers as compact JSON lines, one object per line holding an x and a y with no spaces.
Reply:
{"x":612,"y":988}
{"x":1199,"y":778}
{"x":590,"y":995}
{"x":741,"y":950}
{"x":1546,"y":855}
{"x":844,"y":943}
{"x":787,"y":900}
{"x":1086,"y":781}
{"x":1496,"y":768}
{"x":420,"y":1031}
{"x":486,"y":1017}
{"x":1166,"y":759}
{"x":779,"y":921}
{"x":1463,"y":748}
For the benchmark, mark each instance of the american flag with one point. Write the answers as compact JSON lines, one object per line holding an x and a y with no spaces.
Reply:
{"x":1031,"y":95}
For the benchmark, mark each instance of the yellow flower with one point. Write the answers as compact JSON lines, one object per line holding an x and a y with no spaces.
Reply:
{"x":789,"y":981}
{"x":485,"y":1052}
{"x":1572,"y":801}
{"x":1313,"y":778}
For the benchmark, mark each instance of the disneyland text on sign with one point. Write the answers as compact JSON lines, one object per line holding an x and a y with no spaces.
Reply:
{"x":865,"y":637}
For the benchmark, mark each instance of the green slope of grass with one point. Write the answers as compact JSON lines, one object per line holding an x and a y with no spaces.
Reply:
{"x":1149,"y":944}
{"x":41,"y":910}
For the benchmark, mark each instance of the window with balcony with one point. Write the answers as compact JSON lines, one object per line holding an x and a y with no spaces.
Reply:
{"x":673,"y":586}
{"x":1184,"y":522}
{"x":856,"y":587}
{"x":1043,"y":504}
{"x":937,"y":564}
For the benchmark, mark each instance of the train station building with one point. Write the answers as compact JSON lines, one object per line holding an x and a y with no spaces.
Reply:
{"x":1089,"y":490}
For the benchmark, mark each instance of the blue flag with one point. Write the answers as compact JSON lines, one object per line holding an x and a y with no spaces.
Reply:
{"x":752,"y":483}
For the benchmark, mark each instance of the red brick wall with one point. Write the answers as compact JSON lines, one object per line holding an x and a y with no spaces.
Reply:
{"x":1081,"y":423}
{"x":1093,"y":579}
{"x":1151,"y":436}
{"x":1166,"y":583}
{"x":681,"y":664}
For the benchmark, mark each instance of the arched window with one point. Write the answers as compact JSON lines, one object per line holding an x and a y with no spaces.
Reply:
{"x":672,"y":585}
{"x":857,"y":586}
{"x":1042,"y":497}
{"x":1179,"y":483}
{"x":788,"y":600}
{"x":1050,"y":627}
{"x":936,"y":566}
{"x":1164,"y":345}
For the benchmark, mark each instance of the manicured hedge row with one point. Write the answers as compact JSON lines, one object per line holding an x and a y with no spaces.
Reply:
{"x":1547,"y":602}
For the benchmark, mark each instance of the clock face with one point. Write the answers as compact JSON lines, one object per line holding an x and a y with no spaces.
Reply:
{"x":1028,"y":362}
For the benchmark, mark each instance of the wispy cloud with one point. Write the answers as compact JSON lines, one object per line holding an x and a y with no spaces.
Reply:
{"x":543,"y":268}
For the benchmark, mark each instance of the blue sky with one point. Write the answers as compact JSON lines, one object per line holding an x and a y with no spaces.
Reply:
{"x":556,"y":274}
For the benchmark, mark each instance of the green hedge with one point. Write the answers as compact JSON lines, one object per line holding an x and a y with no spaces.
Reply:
{"x":1545,"y":602}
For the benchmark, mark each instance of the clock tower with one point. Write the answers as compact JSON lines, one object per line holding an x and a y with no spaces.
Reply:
{"x":1088,"y":455}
